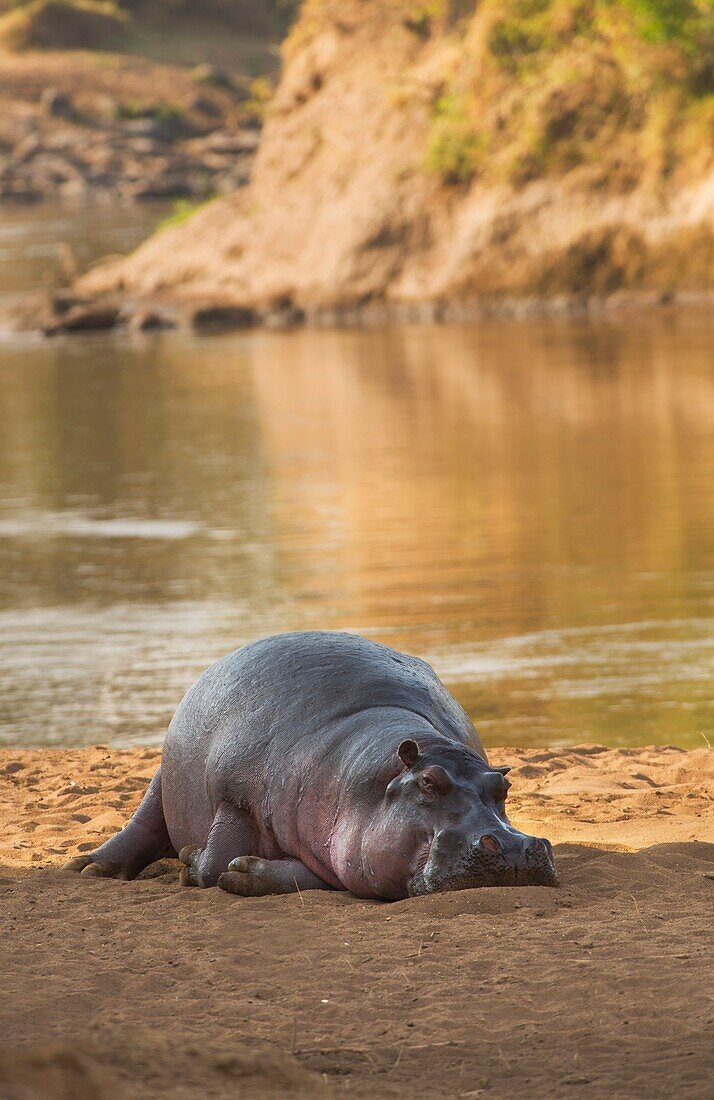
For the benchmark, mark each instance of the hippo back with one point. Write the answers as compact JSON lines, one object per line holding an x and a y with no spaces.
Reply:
{"x":288,"y":693}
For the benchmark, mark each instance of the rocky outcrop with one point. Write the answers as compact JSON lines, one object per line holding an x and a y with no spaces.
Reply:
{"x":343,"y":214}
{"x":64,"y":152}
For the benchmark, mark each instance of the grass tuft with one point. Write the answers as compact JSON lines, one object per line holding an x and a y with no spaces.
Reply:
{"x":183,"y":209}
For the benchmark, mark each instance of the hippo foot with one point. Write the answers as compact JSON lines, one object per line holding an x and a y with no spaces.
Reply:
{"x":244,"y":878}
{"x":253,"y":877}
{"x":92,"y":868}
{"x":190,"y":856}
{"x":245,"y":886}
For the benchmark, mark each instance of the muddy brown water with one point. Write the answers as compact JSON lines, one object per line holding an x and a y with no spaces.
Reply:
{"x":529,"y":506}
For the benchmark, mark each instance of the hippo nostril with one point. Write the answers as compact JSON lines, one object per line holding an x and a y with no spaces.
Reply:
{"x":537,"y":846}
{"x":490,"y":842}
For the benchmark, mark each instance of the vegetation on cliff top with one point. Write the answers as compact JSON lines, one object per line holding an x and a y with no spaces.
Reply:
{"x":623,"y":89}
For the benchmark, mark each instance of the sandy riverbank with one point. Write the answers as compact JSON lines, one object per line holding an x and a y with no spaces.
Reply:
{"x":145,"y":989}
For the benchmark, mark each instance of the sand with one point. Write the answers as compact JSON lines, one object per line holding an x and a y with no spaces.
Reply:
{"x":145,"y":989}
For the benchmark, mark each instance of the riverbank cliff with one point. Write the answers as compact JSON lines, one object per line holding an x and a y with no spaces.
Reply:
{"x":442,"y":160}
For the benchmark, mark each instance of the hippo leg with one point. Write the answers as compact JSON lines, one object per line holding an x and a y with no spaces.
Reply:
{"x":141,"y":842}
{"x":232,"y":832}
{"x":252,"y":877}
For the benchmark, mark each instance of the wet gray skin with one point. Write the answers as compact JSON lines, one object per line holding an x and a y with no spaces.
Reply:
{"x":324,"y":761}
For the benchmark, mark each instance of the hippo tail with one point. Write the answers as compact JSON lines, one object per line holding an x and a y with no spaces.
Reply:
{"x":142,"y":841}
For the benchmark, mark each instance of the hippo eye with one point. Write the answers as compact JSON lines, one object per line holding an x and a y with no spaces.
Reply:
{"x":434,"y":781}
{"x":427,"y":784}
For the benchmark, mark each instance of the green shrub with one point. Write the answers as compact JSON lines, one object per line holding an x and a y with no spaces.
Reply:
{"x":523,"y":31}
{"x":662,"y":20}
{"x":454,"y":145}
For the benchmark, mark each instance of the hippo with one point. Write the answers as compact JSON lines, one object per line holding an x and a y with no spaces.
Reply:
{"x":319,"y":760}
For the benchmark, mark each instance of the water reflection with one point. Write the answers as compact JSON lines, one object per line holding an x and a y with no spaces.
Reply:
{"x":527,"y":506}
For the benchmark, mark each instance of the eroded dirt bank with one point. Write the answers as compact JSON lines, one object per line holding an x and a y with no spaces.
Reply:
{"x":144,"y":989}
{"x":374,"y":188}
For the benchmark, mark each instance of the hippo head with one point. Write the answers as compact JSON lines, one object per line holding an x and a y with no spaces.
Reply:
{"x":453,"y":805}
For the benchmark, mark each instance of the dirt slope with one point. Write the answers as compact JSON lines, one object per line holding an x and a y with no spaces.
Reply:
{"x":114,"y":990}
{"x":371,"y":186}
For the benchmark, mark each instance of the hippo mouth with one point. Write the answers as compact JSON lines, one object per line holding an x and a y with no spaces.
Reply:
{"x":482,"y":869}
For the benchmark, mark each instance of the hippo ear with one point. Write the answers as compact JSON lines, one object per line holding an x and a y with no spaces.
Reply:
{"x":408,"y":752}
{"x":504,"y":770}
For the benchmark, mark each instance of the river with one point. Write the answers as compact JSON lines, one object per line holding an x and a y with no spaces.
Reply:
{"x":528,"y":506}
